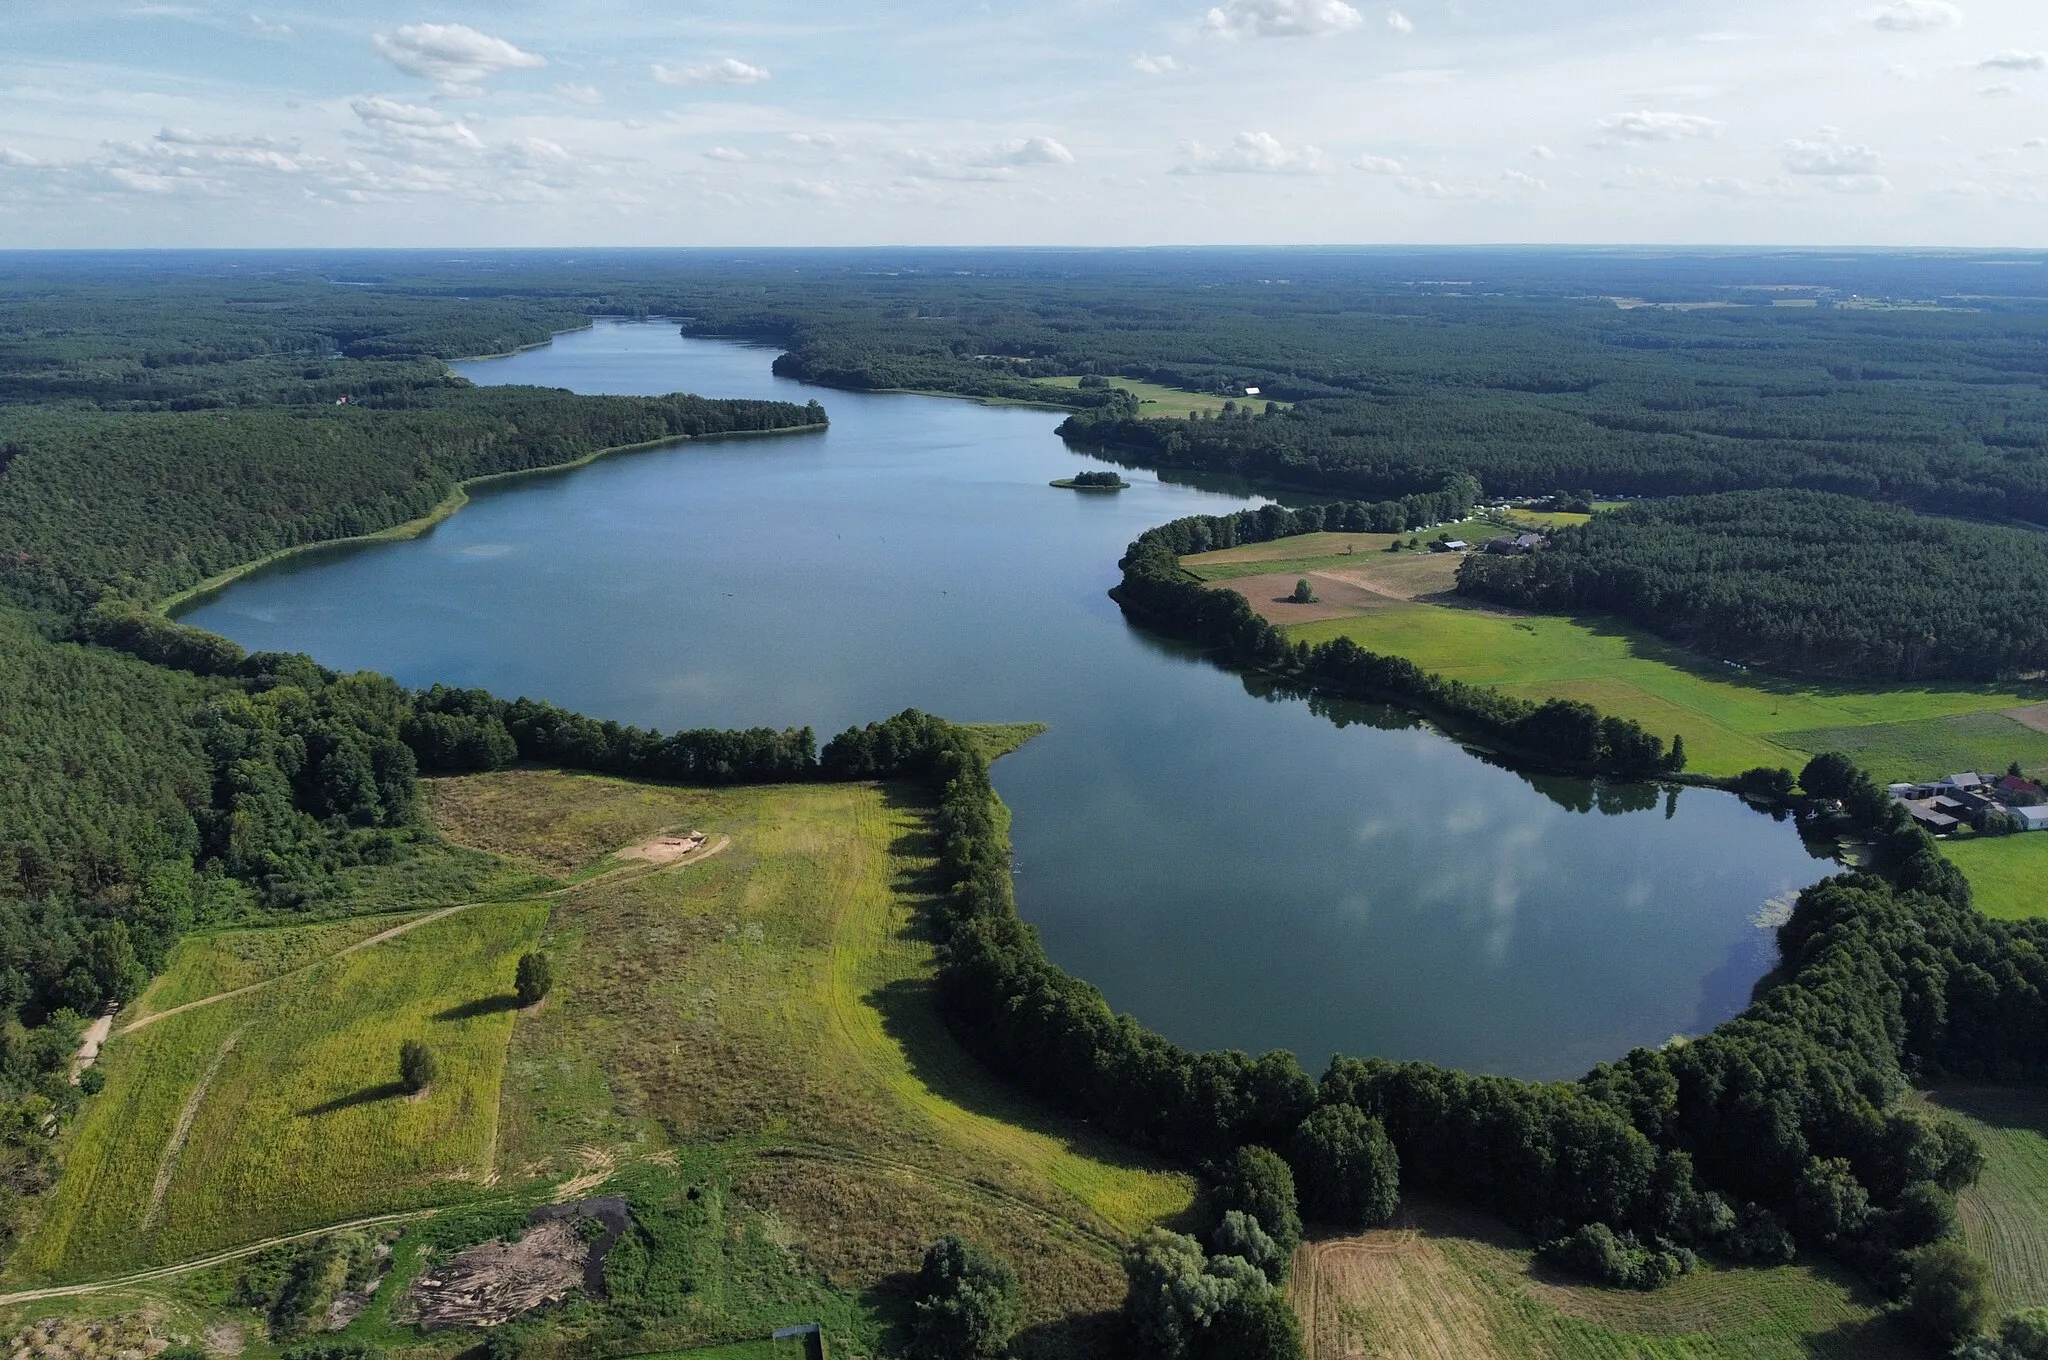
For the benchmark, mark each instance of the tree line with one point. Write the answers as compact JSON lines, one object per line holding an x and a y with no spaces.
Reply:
{"x":1559,"y":733}
{"x":1787,"y":1128}
{"x":1803,"y":580}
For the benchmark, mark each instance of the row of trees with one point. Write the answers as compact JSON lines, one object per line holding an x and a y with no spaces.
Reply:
{"x":1798,"y":579}
{"x":1561,"y":734}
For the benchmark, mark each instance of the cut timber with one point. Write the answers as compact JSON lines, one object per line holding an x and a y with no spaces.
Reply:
{"x":486,"y":1285}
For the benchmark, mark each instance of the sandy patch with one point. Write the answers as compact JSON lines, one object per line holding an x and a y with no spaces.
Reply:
{"x":2033,"y":715}
{"x":670,"y":847}
{"x":91,"y":1042}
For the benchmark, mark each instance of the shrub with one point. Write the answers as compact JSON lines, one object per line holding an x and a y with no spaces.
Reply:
{"x":1257,"y":1182}
{"x":1949,"y":1293}
{"x":2025,"y":1333}
{"x":535,"y":978}
{"x":1240,"y":1235}
{"x":1345,"y":1167}
{"x":966,"y":1304}
{"x":1830,"y":1203}
{"x":1619,"y":1260}
{"x":416,"y":1066}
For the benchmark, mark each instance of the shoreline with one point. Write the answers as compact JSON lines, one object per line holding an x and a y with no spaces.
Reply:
{"x":448,"y":506}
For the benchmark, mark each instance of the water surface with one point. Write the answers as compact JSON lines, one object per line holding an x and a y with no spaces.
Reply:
{"x":1235,"y":868}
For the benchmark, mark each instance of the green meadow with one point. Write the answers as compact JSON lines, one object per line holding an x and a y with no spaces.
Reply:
{"x":2008,"y":874}
{"x":2005,"y":1214}
{"x":1163,"y":403}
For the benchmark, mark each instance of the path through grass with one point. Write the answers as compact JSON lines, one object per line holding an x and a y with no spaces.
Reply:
{"x":2005,"y":1214}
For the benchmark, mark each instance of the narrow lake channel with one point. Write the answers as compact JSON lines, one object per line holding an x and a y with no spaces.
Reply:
{"x":1232,"y":867}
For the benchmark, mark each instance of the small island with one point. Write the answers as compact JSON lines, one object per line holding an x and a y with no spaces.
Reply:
{"x":1093,"y":481}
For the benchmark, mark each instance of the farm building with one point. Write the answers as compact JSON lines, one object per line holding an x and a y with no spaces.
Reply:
{"x":2031,"y":818}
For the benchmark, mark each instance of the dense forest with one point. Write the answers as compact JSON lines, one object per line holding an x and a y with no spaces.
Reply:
{"x":1801,"y":580}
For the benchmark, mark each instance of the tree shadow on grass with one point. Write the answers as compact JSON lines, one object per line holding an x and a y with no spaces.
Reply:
{"x":483,"y":1005}
{"x":369,"y":1095}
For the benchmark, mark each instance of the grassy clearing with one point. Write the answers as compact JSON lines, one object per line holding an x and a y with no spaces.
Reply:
{"x":2005,"y":1215}
{"x":280,"y":1110}
{"x":773,"y":1003}
{"x":207,"y":965}
{"x":1167,"y":403}
{"x":2008,"y":874}
{"x":1454,"y":1286}
{"x":1731,"y":720}
{"x":1935,"y":746}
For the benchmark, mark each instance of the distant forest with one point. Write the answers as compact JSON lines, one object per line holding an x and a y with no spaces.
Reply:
{"x":1807,"y":581}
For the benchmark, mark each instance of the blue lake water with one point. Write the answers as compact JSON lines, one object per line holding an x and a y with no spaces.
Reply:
{"x":1231,"y":867}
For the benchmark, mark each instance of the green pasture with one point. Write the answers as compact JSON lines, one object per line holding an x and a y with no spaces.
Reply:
{"x":2008,"y":875}
{"x":1731,"y":720}
{"x":2005,"y":1214}
{"x":1165,"y":403}
{"x":279,"y":1110}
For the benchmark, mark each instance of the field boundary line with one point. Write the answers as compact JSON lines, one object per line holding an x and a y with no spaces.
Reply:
{"x":167,"y":1164}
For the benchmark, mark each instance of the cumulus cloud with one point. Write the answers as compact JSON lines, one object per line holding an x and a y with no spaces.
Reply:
{"x":223,"y":150}
{"x":2001,"y":91}
{"x":269,"y":29}
{"x":1400,"y":22}
{"x":588,"y":95}
{"x":724,"y":71}
{"x":2015,"y":61}
{"x":1281,"y":19}
{"x":1647,"y":125}
{"x":392,"y":120}
{"x":730,"y":155}
{"x":1831,"y":158}
{"x":1379,"y":165}
{"x":1156,"y":66}
{"x":1526,"y":181}
{"x":1032,"y":151}
{"x":20,"y":160}
{"x":1914,"y":16}
{"x":1542,"y":153}
{"x":454,"y":56}
{"x":1251,"y":153}
{"x":1433,"y":188}
{"x":1002,"y":161}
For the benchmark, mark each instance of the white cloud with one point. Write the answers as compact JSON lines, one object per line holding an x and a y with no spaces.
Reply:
{"x":1999,"y":91}
{"x":724,"y":71}
{"x":1033,"y":151}
{"x":142,"y":182}
{"x":1830,"y":158}
{"x":1542,"y":153}
{"x":2035,"y":143}
{"x":20,"y":160}
{"x":269,"y":29}
{"x":1379,"y":165}
{"x":2015,"y":61}
{"x":1400,"y":22}
{"x":1281,"y":18}
{"x":1647,"y":125}
{"x":588,"y":95}
{"x":390,"y":119}
{"x":1524,"y":180}
{"x":730,"y":155}
{"x":1914,"y":16}
{"x":454,"y":56}
{"x":999,"y":162}
{"x":1157,"y":66}
{"x":1431,"y":188}
{"x":1252,"y":153}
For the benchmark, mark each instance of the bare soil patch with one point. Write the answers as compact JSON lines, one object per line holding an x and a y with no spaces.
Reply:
{"x":483,"y":1286}
{"x":1337,"y":597}
{"x":667,"y":848}
{"x":2033,"y":715}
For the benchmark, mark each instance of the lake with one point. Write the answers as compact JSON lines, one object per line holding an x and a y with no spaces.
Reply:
{"x":1230,"y":865}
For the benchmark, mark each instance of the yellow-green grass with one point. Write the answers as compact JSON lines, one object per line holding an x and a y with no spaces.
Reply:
{"x":1163,"y":403}
{"x":1930,"y":747}
{"x":775,"y":999}
{"x":290,"y":1105}
{"x":2005,"y":1214}
{"x":2008,"y":874}
{"x":1457,"y":1286}
{"x":1557,"y":519}
{"x":1731,"y":720}
{"x":207,"y":965}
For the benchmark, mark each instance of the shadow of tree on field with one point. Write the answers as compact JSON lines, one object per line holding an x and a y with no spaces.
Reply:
{"x":369,"y":1095}
{"x":483,"y":1005}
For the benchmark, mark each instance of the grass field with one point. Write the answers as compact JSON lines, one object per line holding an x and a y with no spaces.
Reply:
{"x":2008,"y":874}
{"x":772,"y":1002}
{"x":279,"y":1110}
{"x":1156,"y":402}
{"x":1448,"y":1285}
{"x":2005,"y":1214}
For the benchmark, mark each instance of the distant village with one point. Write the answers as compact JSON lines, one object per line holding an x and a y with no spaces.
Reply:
{"x":1997,"y":806}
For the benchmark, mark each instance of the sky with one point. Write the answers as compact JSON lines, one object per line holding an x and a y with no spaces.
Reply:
{"x":1064,"y":122}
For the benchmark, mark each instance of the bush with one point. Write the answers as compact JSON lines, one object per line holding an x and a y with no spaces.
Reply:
{"x":1257,"y":1182}
{"x":1304,"y":592}
{"x":416,"y":1066}
{"x":1830,"y":1204}
{"x":1346,"y":1168}
{"x":2025,"y":1333}
{"x":1182,"y":1305}
{"x":1949,"y":1293}
{"x":966,"y":1305}
{"x":1240,"y":1235}
{"x":535,"y":978}
{"x":1619,"y":1260}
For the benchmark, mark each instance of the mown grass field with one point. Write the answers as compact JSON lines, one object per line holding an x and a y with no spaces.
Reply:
{"x":1166,"y":403}
{"x":771,"y":1003}
{"x":1446,"y":1285}
{"x":2008,"y":874}
{"x":280,"y":1110}
{"x":2005,"y":1214}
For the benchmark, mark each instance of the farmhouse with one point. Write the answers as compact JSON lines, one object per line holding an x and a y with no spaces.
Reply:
{"x":1513,"y":545}
{"x":1450,"y":545}
{"x":1963,"y":800}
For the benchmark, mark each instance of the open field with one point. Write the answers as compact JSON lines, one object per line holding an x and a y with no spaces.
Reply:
{"x":1163,"y":403}
{"x":2008,"y":874}
{"x":279,"y":1110}
{"x":771,"y":1002}
{"x":1447,"y":1285}
{"x":2005,"y":1214}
